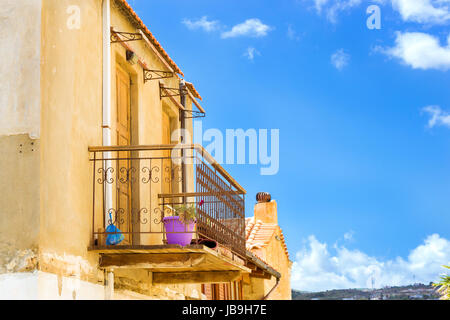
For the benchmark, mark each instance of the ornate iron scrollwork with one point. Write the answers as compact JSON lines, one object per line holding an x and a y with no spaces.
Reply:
{"x":150,"y":177}
{"x":116,"y":213}
{"x":126,"y":174}
{"x":156,"y":74}
{"x":120,"y":36}
{"x":137,"y":216}
{"x":105,"y":175}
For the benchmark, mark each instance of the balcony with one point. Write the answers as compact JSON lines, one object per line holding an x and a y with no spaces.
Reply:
{"x":136,"y":187}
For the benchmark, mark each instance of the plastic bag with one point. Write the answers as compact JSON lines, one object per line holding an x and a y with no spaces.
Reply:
{"x":115,"y":236}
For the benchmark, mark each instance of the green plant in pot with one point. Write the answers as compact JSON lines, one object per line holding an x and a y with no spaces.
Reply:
{"x":187,"y":213}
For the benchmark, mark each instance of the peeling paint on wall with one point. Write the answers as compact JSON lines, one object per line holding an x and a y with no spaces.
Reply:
{"x":19,"y":203}
{"x":67,"y":264}
{"x":13,"y":260}
{"x":43,"y":285}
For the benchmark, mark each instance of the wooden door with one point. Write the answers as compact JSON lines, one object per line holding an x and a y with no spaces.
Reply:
{"x":167,"y":162}
{"x":219,"y":291}
{"x":207,"y":290}
{"x":124,"y":139}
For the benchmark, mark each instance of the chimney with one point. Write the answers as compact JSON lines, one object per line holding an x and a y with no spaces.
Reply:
{"x":266,"y":209}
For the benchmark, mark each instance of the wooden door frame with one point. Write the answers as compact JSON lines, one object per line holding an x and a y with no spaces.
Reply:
{"x":133,"y":189}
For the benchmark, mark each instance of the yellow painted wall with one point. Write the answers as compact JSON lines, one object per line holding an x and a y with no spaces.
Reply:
{"x":20,"y":37}
{"x":19,"y":203}
{"x":277,"y":258}
{"x":274,"y":254}
{"x":71,"y":88}
{"x":19,"y":134}
{"x":48,"y":219}
{"x":71,"y":113}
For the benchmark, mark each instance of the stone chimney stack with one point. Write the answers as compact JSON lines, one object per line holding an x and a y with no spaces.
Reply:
{"x":266,"y":209}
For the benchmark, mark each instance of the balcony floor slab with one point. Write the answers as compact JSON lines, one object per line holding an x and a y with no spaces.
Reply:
{"x":167,"y":258}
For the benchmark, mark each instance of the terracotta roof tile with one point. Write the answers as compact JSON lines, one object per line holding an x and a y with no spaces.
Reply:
{"x":150,"y":36}
{"x":158,"y":46}
{"x":193,"y":90}
{"x":258,"y":234}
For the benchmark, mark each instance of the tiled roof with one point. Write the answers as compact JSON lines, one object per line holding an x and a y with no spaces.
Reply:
{"x":147,"y":32}
{"x":124,"y":4}
{"x":258,"y":234}
{"x":193,"y":90}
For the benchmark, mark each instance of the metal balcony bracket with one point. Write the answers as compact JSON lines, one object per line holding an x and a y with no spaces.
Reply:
{"x":120,"y":36}
{"x":156,"y":74}
{"x":165,"y":92}
{"x":193,"y":114}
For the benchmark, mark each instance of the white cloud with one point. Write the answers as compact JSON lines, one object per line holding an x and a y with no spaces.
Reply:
{"x":423,"y":11}
{"x":292,"y":34}
{"x":348,"y":236}
{"x":202,"y":23}
{"x":438,"y":117}
{"x":332,"y":8}
{"x":250,"y":28}
{"x":319,"y":4}
{"x":340,"y":59}
{"x":340,"y":6}
{"x":316,"y":269}
{"x":251,"y":52}
{"x":420,"y":11}
{"x":421,"y":51}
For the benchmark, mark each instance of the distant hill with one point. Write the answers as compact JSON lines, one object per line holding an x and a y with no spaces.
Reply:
{"x":416,"y":291}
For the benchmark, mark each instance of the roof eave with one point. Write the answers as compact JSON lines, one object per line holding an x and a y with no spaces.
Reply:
{"x":150,"y":36}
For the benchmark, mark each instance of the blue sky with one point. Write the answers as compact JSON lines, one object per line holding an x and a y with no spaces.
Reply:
{"x":364,"y":181}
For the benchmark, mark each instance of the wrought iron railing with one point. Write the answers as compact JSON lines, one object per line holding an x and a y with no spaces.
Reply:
{"x":136,"y":187}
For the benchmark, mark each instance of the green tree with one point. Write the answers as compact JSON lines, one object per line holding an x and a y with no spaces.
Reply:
{"x":444,"y":286}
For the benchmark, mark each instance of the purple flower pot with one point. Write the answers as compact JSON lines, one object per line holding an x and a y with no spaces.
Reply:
{"x":178,"y":232}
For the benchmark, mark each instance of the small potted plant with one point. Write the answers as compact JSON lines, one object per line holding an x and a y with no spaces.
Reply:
{"x":180,"y":226}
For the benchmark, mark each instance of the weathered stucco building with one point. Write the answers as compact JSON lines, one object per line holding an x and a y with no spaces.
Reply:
{"x":91,"y":112}
{"x":266,"y":254}
{"x":265,"y":239}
